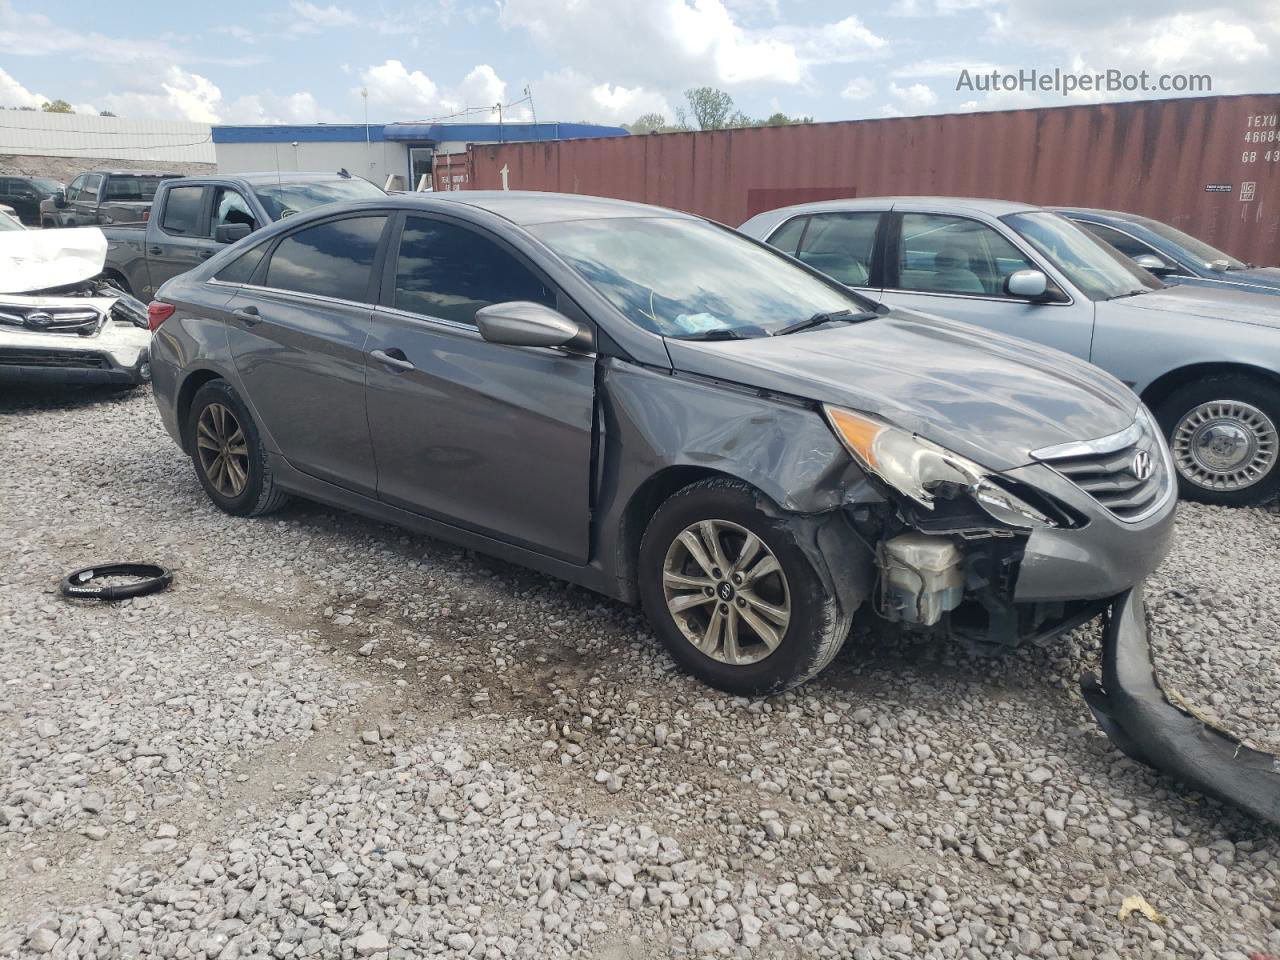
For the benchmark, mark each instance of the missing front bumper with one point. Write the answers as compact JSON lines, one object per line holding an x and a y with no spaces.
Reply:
{"x":1140,"y":719}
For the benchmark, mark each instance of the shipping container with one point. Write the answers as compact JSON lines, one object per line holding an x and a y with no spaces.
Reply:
{"x":1208,"y":165}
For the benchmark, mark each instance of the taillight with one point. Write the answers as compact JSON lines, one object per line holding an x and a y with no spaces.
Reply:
{"x":158,"y":313}
{"x":146,"y":215}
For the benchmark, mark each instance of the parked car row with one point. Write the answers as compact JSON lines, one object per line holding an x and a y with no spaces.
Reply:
{"x":1205,"y":359}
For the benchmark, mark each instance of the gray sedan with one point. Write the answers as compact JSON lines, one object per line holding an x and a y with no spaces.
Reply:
{"x":663,"y":410}
{"x":1206,"y":361}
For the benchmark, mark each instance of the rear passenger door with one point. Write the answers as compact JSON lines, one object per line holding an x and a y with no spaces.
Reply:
{"x":297,"y":330}
{"x":957,"y":266}
{"x":489,"y":437}
{"x":179,"y":239}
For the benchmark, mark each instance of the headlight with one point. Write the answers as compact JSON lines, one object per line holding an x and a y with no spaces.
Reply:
{"x":921,"y":469}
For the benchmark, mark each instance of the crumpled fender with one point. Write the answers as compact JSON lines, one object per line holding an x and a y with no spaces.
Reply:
{"x":1142,"y":721}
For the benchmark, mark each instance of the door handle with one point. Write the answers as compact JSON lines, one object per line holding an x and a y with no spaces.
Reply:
{"x":389,"y":357}
{"x":154,"y":251}
{"x":249,"y":315}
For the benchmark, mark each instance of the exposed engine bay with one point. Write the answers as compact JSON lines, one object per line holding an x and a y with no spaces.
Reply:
{"x":59,"y":320}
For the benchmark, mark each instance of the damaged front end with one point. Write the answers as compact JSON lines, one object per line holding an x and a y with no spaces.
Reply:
{"x":61,"y":322}
{"x":950,"y":540}
{"x":1134,"y":710}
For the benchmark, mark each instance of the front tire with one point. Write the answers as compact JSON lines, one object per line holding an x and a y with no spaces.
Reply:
{"x":1225,"y":436}
{"x":227,"y":453}
{"x":732,"y":594}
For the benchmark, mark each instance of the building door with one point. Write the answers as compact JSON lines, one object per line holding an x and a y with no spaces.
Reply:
{"x":420,"y":166}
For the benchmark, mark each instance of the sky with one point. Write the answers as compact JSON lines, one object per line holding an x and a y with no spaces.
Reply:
{"x":604,"y":61}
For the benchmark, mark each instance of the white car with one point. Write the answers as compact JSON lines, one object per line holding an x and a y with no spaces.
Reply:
{"x":59,"y":321}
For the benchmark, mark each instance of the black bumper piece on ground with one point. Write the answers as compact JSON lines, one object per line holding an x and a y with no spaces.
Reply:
{"x":1134,"y":712}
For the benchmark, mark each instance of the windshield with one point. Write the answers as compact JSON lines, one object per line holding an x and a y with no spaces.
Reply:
{"x":1098,"y":270}
{"x":126,"y":188}
{"x":1211,"y":258}
{"x":8,"y":223}
{"x":285,"y":199}
{"x":47,"y":186}
{"x":678,"y":277}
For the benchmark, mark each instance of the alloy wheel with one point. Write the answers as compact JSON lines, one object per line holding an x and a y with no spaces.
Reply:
{"x":726,"y":592}
{"x":1224,"y":445}
{"x":223,"y":449}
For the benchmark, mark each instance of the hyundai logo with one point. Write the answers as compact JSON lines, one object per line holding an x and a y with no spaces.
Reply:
{"x":1142,"y":467}
{"x":39,"y":319}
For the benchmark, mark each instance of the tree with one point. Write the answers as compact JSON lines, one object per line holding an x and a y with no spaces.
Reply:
{"x":105,"y":113}
{"x":57,"y":106}
{"x":648,"y":123}
{"x":780,"y":119}
{"x":710,"y":107}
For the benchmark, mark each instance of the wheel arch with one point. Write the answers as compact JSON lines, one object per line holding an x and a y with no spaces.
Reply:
{"x":193,"y":382}
{"x":1163,"y":387}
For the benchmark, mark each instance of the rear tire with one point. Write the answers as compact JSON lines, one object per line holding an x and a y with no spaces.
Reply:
{"x":1225,"y":437}
{"x":227,"y":453}
{"x":757,"y":625}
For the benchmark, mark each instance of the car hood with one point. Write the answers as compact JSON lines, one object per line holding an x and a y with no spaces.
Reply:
{"x":983,"y":395}
{"x":32,"y":260}
{"x":1200,"y":303}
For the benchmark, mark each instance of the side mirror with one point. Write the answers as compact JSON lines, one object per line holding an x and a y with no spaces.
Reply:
{"x":60,"y":200}
{"x":521,"y":323}
{"x":1153,"y":264}
{"x":231,"y":232}
{"x":1031,"y":284}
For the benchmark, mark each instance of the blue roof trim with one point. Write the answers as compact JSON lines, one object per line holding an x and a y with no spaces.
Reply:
{"x":504,"y":132}
{"x":311,"y":133}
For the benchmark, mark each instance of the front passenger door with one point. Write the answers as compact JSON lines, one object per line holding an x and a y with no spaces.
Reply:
{"x":489,"y":437}
{"x":956,"y":267}
{"x":180,"y":240}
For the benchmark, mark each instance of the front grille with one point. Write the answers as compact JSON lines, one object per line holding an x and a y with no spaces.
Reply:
{"x":82,"y":321}
{"x":1127,"y":472}
{"x":46,"y":358}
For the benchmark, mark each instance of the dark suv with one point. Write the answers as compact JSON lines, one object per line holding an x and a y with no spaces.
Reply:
{"x":25,"y":193}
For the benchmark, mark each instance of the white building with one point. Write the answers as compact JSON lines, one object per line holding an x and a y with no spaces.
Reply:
{"x":377,"y":152}
{"x":74,"y":136}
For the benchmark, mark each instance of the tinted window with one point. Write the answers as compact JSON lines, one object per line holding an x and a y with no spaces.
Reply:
{"x":331,"y":259}
{"x":1121,"y":241}
{"x":133,"y":188}
{"x":447,"y":271}
{"x":240,"y":270}
{"x":182,"y":210}
{"x":787,"y":239}
{"x":940,"y":254}
{"x":678,"y":276}
{"x":89,"y":190}
{"x":840,"y":245}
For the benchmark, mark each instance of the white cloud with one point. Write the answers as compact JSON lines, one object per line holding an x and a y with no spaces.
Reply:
{"x":915,"y":96}
{"x":567,"y":95}
{"x":411,"y":94}
{"x":307,"y":17}
{"x":671,"y":44}
{"x":859,"y":88}
{"x":14,"y":94}
{"x":177,"y":94}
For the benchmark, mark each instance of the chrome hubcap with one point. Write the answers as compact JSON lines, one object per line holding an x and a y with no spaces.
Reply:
{"x":1224,"y":445}
{"x":224,"y":452}
{"x":726,"y":592}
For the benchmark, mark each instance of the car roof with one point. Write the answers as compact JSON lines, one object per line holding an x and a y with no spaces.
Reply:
{"x":136,"y":173}
{"x":527,"y":207}
{"x":990,"y":206}
{"x":272,"y":176}
{"x":1101,"y":214}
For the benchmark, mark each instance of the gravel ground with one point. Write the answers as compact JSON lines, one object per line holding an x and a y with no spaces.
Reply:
{"x":332,"y":739}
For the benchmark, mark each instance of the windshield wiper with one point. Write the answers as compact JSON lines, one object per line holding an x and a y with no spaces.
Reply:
{"x":721,"y":333}
{"x":818,"y":319}
{"x":1132,"y":293}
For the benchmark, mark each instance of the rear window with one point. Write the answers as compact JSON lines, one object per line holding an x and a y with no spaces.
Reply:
{"x":182,"y":210}
{"x":333,"y":259}
{"x":130,"y":188}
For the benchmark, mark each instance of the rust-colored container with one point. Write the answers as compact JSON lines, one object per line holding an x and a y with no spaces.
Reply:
{"x":1208,"y":165}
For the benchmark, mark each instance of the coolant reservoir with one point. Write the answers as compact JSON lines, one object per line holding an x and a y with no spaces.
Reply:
{"x":922,"y":578}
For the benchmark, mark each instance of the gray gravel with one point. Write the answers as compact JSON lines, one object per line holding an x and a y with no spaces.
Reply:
{"x":333,"y":739}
